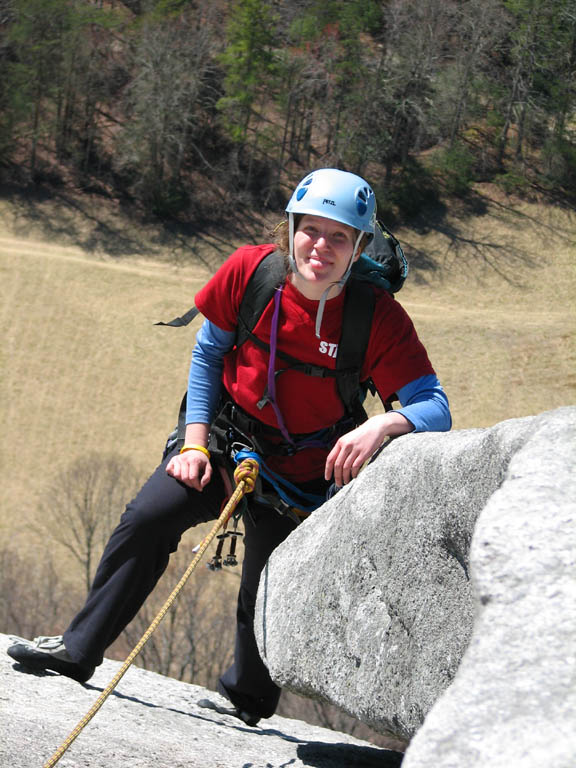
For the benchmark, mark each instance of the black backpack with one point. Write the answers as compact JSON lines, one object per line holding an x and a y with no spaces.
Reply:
{"x":382,"y":263}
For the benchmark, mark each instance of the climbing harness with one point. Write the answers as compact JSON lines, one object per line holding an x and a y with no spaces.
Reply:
{"x":245,"y":476}
{"x":289,"y":496}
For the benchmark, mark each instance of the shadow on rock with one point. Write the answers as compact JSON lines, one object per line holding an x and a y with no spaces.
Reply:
{"x":322,"y":755}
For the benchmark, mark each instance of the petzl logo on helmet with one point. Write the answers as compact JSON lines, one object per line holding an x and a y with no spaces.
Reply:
{"x":328,"y":202}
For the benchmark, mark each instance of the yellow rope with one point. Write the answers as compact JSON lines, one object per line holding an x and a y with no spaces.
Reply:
{"x":245,"y":477}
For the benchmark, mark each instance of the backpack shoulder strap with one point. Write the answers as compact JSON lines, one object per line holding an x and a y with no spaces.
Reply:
{"x":268,"y":275}
{"x":183,"y":320}
{"x":356,"y":326}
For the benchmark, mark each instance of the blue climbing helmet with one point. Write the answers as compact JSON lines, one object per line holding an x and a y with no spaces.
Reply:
{"x":338,"y":195}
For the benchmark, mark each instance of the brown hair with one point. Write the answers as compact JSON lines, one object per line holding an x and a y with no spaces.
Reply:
{"x":281,"y":235}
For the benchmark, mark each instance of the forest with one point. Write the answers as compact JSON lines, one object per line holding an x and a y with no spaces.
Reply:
{"x":203,"y":112}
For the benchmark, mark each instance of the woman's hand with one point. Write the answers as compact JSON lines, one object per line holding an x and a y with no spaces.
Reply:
{"x":353,"y":449}
{"x":192,"y":468}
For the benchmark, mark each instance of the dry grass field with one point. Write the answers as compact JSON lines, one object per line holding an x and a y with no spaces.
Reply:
{"x":84,"y":368}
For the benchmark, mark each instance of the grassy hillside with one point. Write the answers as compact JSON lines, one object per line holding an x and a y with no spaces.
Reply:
{"x":497,"y":310}
{"x":492,"y":296}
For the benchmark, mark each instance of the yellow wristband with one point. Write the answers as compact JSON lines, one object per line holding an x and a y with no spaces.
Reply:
{"x":200,"y":448}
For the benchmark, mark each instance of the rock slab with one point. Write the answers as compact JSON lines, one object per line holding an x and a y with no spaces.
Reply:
{"x":152,"y":721}
{"x":436,"y":595}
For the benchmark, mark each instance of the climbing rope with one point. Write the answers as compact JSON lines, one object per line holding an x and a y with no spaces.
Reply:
{"x":245,"y":477}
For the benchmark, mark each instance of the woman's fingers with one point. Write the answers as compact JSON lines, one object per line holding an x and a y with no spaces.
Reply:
{"x":192,"y":468}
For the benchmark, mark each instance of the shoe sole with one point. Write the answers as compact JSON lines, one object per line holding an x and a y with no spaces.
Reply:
{"x":37,"y":660}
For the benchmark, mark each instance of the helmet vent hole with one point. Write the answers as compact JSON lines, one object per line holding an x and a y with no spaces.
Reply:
{"x":304,"y":187}
{"x":362,"y":196}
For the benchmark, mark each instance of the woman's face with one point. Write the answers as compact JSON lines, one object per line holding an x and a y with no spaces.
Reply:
{"x":322,"y":251}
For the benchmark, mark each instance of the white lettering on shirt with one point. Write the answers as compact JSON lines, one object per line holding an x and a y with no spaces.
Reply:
{"x":328,"y":348}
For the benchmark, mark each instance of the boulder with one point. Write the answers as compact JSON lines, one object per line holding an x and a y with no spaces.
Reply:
{"x":436,"y":594}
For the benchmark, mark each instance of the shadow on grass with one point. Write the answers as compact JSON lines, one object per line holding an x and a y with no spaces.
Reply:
{"x":491,"y":251}
{"x":67,"y":219}
{"x":97,"y":223}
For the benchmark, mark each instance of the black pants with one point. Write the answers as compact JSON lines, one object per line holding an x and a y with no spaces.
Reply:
{"x":137,"y":555}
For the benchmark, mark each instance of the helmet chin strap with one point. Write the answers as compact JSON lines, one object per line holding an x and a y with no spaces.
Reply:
{"x":338,"y":284}
{"x":291,"y":258}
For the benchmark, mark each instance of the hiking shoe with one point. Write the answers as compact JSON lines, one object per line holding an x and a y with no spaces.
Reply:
{"x":247,"y":717}
{"x":48,"y":653}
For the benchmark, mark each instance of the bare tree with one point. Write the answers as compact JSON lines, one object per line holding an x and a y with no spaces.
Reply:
{"x":171,"y":60}
{"x":33,"y":595}
{"x":83,"y":503}
{"x":480,"y":28}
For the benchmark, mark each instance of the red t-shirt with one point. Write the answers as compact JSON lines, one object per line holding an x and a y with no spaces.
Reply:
{"x":395,"y":356}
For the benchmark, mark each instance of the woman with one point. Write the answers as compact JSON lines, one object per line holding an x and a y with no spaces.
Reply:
{"x":248,"y":393}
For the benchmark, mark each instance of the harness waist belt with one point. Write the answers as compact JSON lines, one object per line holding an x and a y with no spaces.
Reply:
{"x":252,"y":426}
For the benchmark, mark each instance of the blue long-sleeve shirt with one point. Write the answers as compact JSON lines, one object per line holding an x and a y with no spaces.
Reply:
{"x":424,"y":402}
